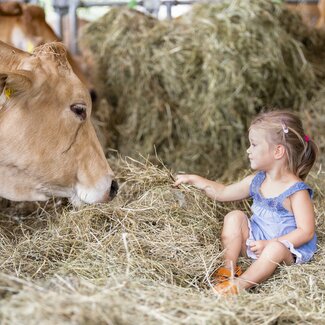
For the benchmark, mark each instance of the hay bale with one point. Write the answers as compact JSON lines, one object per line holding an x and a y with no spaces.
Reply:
{"x":186,"y":89}
{"x":314,"y":120}
{"x":143,"y":259}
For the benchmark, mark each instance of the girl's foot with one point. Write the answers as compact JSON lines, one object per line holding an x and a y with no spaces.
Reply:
{"x":226,"y":288}
{"x":224,"y":274}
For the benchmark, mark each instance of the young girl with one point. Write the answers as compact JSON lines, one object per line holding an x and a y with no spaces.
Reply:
{"x":282,"y":227}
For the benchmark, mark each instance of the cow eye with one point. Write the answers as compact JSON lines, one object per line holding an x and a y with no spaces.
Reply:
{"x":79,"y":110}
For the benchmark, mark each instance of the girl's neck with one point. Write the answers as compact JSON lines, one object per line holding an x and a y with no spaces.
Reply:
{"x":281,"y":174}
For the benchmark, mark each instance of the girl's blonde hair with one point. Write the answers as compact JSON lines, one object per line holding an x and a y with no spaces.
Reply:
{"x":286,"y":128}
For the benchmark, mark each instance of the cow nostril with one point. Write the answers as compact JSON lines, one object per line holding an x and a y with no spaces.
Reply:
{"x":114,"y":189}
{"x":93,"y":95}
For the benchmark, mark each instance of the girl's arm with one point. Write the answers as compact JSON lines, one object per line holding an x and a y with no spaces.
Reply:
{"x":302,"y":209}
{"x":215,"y":190}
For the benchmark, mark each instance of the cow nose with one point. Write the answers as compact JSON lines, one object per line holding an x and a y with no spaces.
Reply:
{"x":114,"y":189}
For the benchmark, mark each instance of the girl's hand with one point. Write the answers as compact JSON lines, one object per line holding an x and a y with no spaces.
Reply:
{"x":257,"y":246}
{"x":182,"y":179}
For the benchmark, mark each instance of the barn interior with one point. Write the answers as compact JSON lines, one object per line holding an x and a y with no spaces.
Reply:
{"x":175,"y":85}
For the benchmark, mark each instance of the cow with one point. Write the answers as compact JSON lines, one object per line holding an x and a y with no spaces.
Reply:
{"x":321,"y":8}
{"x":312,"y":13}
{"x":24,"y":26}
{"x":48,"y":146}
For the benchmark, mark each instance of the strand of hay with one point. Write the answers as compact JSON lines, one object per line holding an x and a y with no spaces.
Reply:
{"x":145,"y":258}
{"x":188,"y":88}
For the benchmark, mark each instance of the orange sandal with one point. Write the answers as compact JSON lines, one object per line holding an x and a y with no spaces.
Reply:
{"x":226,"y":288}
{"x":224,"y":274}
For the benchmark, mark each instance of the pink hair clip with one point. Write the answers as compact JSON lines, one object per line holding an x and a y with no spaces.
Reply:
{"x":306,"y":138}
{"x":284,"y":127}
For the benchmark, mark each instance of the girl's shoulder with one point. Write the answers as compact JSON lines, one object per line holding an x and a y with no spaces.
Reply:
{"x":296,"y":187}
{"x":247,"y":180}
{"x":256,"y":181}
{"x":295,"y":184}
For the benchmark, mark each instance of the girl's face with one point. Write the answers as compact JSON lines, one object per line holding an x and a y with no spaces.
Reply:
{"x":260,"y":152}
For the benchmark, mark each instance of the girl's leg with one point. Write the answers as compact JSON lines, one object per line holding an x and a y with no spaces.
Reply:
{"x":272,"y":255}
{"x":233,"y":237}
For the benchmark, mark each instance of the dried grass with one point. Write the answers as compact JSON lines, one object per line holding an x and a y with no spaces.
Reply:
{"x":147,"y":257}
{"x":143,"y":259}
{"x":313,"y":117}
{"x":188,"y":88}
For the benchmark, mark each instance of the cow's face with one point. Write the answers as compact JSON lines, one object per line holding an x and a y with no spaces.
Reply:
{"x":48,"y":146}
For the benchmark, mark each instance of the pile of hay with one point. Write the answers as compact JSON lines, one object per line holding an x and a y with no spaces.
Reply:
{"x":313,"y":117}
{"x":145,"y":258}
{"x":187,"y":88}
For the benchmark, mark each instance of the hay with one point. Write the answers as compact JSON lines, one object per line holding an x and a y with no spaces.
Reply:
{"x":147,"y":257}
{"x":186,"y":89}
{"x":313,"y":117}
{"x":143,"y":259}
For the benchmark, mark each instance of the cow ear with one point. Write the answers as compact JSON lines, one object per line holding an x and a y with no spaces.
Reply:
{"x":14,"y":82}
{"x":33,"y":12}
{"x":3,"y":79}
{"x":10,"y":9}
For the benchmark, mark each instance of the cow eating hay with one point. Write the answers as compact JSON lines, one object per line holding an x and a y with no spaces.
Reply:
{"x":48,"y":146}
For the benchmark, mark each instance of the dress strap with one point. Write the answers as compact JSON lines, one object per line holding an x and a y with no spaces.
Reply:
{"x":256,"y":183}
{"x":299,"y":186}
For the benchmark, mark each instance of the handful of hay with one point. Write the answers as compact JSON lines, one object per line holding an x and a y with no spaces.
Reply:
{"x":187,"y":88}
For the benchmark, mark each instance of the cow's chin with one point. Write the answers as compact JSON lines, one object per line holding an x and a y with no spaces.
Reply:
{"x":76,"y":201}
{"x":79,"y":196}
{"x":90,"y":195}
{"x":14,"y":189}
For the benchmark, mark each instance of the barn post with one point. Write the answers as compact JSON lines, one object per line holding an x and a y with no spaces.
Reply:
{"x":73,"y":25}
{"x":61,"y":8}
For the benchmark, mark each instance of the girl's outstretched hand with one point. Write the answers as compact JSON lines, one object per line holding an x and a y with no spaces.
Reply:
{"x":182,"y":179}
{"x":215,"y":190}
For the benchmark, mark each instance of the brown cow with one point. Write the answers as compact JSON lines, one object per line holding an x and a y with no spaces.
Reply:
{"x":24,"y":26}
{"x":321,"y":8}
{"x":48,"y":145}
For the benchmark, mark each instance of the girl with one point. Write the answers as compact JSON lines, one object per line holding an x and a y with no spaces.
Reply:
{"x":282,"y":227}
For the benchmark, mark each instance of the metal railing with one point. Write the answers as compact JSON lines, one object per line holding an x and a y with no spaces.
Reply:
{"x":151,"y":6}
{"x":70,"y":7}
{"x":63,"y":7}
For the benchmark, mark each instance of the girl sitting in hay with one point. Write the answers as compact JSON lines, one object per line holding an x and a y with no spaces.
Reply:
{"x":282,"y":228}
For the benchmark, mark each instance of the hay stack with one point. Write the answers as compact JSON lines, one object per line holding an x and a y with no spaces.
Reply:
{"x":313,"y":117}
{"x":187,"y":88}
{"x":144,"y":259}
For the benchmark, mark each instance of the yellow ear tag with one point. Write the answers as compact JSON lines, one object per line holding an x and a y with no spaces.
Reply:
{"x":30,"y":47}
{"x":8,"y":92}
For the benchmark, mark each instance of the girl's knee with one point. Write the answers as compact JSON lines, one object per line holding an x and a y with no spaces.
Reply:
{"x":233,"y":224}
{"x":235,"y":216}
{"x":275,"y":251}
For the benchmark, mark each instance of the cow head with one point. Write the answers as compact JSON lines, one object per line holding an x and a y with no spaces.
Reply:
{"x":48,"y":146}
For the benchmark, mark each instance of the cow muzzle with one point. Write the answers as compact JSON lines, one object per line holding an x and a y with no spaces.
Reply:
{"x":104,"y":191}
